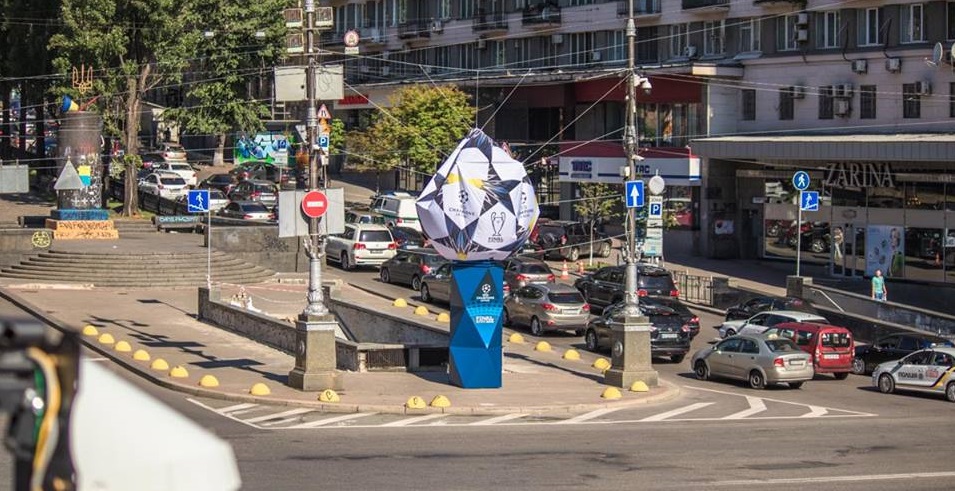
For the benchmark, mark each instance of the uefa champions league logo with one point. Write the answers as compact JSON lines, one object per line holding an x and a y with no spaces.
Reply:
{"x":487,"y":293}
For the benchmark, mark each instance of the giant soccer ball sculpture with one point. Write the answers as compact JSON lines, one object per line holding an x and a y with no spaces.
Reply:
{"x":478,"y":209}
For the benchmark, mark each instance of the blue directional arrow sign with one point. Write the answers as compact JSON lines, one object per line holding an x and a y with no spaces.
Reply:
{"x":198,"y":201}
{"x":809,"y":201}
{"x":801,"y":180}
{"x":634,"y":194}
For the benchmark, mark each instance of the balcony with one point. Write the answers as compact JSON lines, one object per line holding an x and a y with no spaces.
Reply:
{"x":414,"y":30}
{"x":706,"y":4}
{"x":641,"y":8}
{"x":489,"y":22}
{"x":541,"y":15}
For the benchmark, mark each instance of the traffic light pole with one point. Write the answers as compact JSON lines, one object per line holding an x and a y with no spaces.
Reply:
{"x":315,"y":243}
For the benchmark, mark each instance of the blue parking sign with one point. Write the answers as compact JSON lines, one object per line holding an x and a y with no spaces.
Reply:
{"x":198,"y":201}
{"x":656,"y":210}
{"x":809,"y":201}
{"x":323,"y":142}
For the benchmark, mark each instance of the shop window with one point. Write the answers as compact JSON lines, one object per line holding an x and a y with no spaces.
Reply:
{"x":884,"y":197}
{"x":924,"y":254}
{"x":749,"y":104}
{"x":911,"y":102}
{"x":825,"y":102}
{"x":867,"y":102}
{"x":847,"y":196}
{"x":786,"y":103}
{"x":679,"y":208}
{"x":924,"y":196}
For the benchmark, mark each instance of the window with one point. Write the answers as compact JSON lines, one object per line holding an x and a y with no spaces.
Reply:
{"x":912,"y":23}
{"x":679,"y":39}
{"x":500,"y":53}
{"x":803,"y":338}
{"x":749,"y":104}
{"x":444,"y":9}
{"x":714,"y":37}
{"x":867,"y":101}
{"x":730,"y":345}
{"x":911,"y":102}
{"x":581,"y":44}
{"x":870,"y":26}
{"x":749,"y":35}
{"x":825,"y":102}
{"x":749,"y":346}
{"x":836,"y":339}
{"x":827,"y":29}
{"x":786,"y":33}
{"x":950,"y":23}
{"x":786,"y":103}
{"x":466,"y":9}
{"x":618,"y":46}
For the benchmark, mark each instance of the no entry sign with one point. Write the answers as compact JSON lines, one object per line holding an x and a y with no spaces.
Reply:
{"x":314,"y":204}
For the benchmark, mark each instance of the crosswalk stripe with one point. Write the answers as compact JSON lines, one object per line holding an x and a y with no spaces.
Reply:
{"x":280,"y":415}
{"x":815,"y":412}
{"x":236,"y":407}
{"x":328,"y":421}
{"x":244,"y":411}
{"x":416,"y":419}
{"x":756,"y":406}
{"x":498,"y":419}
{"x":591,"y":415}
{"x":676,"y":412}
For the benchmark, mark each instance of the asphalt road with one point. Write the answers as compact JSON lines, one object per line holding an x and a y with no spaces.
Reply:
{"x":830,"y":435}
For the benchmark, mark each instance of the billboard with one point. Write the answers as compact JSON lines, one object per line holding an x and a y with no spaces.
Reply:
{"x":885,"y":250}
{"x":268,"y":146}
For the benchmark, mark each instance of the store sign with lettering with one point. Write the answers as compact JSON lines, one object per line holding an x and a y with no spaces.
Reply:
{"x":354,"y":99}
{"x":854,"y":175}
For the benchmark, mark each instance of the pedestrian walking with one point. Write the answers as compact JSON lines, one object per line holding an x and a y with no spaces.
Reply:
{"x":879,"y":292}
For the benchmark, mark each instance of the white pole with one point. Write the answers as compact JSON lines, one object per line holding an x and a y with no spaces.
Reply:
{"x":209,"y":247}
{"x":799,"y":234}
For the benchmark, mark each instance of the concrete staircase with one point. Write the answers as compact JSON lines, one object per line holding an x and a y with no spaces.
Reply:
{"x":127,"y":226}
{"x":135,"y":270}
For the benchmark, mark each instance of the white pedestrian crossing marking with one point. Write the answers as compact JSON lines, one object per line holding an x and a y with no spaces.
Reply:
{"x":329,"y":421}
{"x":676,"y":412}
{"x":498,"y":419}
{"x":591,"y":415}
{"x":756,"y":406}
{"x":283,"y":414}
{"x":237,"y":407}
{"x":416,"y":419}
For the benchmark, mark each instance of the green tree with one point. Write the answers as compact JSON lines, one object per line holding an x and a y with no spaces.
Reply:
{"x":423,"y":126}
{"x":371,"y":150}
{"x":594,"y":205}
{"x":133,"y":47}
{"x":235,"y":42}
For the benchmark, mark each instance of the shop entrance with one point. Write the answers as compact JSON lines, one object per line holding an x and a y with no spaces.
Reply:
{"x":848,"y":250}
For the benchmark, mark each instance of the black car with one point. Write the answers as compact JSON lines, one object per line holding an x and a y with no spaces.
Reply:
{"x":570,"y":240}
{"x":223,"y":182}
{"x":669,"y":336}
{"x":284,"y":177}
{"x":408,"y":238}
{"x":690,"y":320}
{"x":606,"y":285}
{"x":409,"y":266}
{"x":755,"y":305}
{"x":890,"y":348}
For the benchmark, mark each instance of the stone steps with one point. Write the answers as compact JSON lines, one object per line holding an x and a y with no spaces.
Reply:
{"x":135,"y":227}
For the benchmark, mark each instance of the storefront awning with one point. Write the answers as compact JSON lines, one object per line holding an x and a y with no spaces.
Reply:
{"x":908,"y":147}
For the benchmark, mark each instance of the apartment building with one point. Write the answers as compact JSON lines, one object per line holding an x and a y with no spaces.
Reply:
{"x":743,"y":93}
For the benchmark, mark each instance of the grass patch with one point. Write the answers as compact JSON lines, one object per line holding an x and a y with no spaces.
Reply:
{"x":115,"y":208}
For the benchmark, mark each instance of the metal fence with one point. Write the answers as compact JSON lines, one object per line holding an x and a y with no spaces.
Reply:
{"x":694,"y":289}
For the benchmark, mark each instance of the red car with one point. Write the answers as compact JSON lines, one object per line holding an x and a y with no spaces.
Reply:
{"x":832,"y":347}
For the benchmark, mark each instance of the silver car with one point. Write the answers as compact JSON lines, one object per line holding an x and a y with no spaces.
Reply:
{"x":436,"y":286}
{"x":756,"y":360}
{"x":522,"y":271}
{"x":549,"y":307}
{"x":928,"y":370}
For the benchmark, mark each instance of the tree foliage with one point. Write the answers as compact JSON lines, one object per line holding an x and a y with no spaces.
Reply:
{"x":595,"y":204}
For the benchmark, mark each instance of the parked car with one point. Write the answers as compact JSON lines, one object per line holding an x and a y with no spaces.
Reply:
{"x":436,"y":286}
{"x":571,"y":240}
{"x":163,"y":184}
{"x":246,"y":210}
{"x":398,"y":209}
{"x":364,"y":217}
{"x":252,"y":190}
{"x":669,"y":336}
{"x":173,"y":151}
{"x":522,"y":271}
{"x":409,"y":266}
{"x":182,"y":168}
{"x":408,"y":238}
{"x":223,"y":182}
{"x":831,"y":347}
{"x":890,"y":348}
{"x":606,"y":285}
{"x":757,"y":360}
{"x":361,"y":245}
{"x":755,"y":305}
{"x":217,"y":200}
{"x":762,"y":321}
{"x":927,"y":370}
{"x":283,"y":177}
{"x":547,"y":307}
{"x":690,"y":320}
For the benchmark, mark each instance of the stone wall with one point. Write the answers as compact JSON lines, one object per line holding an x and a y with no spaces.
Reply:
{"x":368,"y":325}
{"x":261,"y":246}
{"x":16,"y":244}
{"x":263,"y":329}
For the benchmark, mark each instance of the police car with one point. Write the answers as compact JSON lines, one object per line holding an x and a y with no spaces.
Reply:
{"x":929,"y":370}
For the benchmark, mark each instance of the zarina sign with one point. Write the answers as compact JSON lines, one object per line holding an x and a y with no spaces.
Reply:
{"x":854,"y":175}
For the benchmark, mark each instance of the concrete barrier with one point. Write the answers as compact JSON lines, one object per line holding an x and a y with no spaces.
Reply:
{"x":260,"y":245}
{"x":16,"y":244}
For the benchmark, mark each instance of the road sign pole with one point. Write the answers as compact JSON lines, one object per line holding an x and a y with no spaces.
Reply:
{"x":799,"y":234}
{"x":209,"y":249}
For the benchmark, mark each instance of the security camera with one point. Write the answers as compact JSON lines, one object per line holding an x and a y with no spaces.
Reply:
{"x":645,"y":86}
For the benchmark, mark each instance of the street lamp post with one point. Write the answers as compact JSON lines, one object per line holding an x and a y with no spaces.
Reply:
{"x":630,"y":147}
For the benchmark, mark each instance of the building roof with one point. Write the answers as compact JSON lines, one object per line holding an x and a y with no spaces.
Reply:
{"x":912,"y":147}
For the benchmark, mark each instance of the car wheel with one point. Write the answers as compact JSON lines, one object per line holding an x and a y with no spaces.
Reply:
{"x":605,"y":250}
{"x":416,"y":283}
{"x":677,"y":358}
{"x":950,"y":392}
{"x":385,"y":276}
{"x":536,"y":328}
{"x":818,"y":246}
{"x":886,"y":384}
{"x":574,"y":254}
{"x":701,"y":370}
{"x":590,"y":339}
{"x":841,"y":375}
{"x":425,"y":293}
{"x":346,"y":263}
{"x":795,"y":385}
{"x":506,"y":320}
{"x":858,"y":366}
{"x":757,"y":380}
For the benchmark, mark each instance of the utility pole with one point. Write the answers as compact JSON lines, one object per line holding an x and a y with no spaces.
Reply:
{"x":630,"y":147}
{"x":315,"y":243}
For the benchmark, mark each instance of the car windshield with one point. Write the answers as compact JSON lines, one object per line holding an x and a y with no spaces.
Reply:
{"x":781,"y":346}
{"x":656,"y":282}
{"x":836,"y":339}
{"x":566,"y":297}
{"x":535,"y":269}
{"x":180,"y":167}
{"x":433,"y":259}
{"x":254,"y":208}
{"x":375,"y":236}
{"x":221,"y":178}
{"x":173,"y":181}
{"x":264,"y":188}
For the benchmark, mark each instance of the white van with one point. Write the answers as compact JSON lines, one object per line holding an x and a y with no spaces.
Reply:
{"x":399,"y":210}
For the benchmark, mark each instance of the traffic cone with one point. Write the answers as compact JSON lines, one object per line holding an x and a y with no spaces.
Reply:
{"x":564,"y":274}
{"x":580,"y":267}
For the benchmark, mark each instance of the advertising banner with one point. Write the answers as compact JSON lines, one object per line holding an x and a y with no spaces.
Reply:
{"x":477,"y":303}
{"x":885,"y":250}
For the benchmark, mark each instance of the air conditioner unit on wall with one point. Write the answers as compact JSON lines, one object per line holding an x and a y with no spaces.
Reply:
{"x":893,"y":65}
{"x":923,"y":88}
{"x":802,"y":35}
{"x":596,"y":56}
{"x":860,"y":66}
{"x":556,"y":38}
{"x":481,"y":43}
{"x":798,"y":91}
{"x":841,"y":107}
{"x":802,"y":19}
{"x":689,"y":51}
{"x":437,"y":26}
{"x":843,"y":91}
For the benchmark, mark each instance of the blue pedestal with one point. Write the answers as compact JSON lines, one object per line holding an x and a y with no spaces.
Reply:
{"x":477,"y":302}
{"x":77,"y":214}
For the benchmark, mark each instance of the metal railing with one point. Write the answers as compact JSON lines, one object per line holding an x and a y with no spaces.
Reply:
{"x":694,"y":289}
{"x":490,"y":21}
